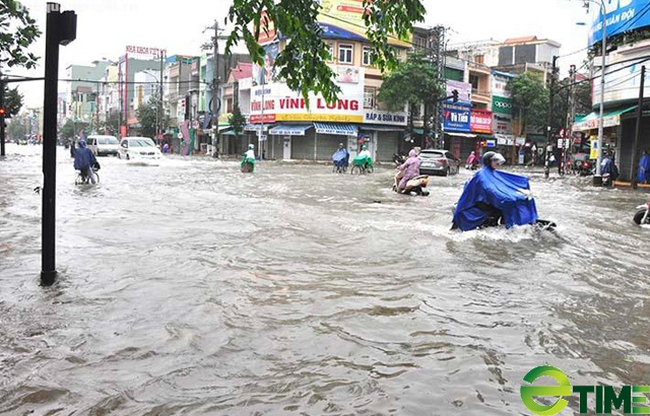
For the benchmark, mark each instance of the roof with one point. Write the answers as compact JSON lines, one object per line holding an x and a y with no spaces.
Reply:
{"x":242,"y":70}
{"x":522,"y":39}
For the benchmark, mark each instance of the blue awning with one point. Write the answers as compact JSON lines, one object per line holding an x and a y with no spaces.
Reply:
{"x":336,"y":128}
{"x":290,"y":129}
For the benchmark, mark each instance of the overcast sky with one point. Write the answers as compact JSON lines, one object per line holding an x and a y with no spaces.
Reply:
{"x":105,"y":27}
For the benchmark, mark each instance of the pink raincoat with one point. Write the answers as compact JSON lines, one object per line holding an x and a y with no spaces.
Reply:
{"x":411,"y":168}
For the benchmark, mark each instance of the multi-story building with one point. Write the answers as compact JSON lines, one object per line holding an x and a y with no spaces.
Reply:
{"x":528,"y":54}
{"x":81,"y":91}
{"x":628,"y":49}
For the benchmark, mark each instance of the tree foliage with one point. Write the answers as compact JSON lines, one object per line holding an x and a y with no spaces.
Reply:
{"x":412,"y":82}
{"x":149,"y":117}
{"x":112,"y":123}
{"x":302,"y":62}
{"x":13,"y":101}
{"x":529,"y":101}
{"x":237,"y":121}
{"x":17,"y":31}
{"x":71,"y":129}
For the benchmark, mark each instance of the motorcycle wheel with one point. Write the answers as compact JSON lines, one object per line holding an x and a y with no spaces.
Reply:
{"x":355,"y":170}
{"x":639,"y":216}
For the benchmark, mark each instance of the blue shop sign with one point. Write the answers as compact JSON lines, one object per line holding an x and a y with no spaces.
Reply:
{"x":622,"y":16}
{"x":457,"y":117}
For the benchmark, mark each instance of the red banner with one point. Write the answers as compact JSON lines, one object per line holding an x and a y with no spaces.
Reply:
{"x":481,"y":121}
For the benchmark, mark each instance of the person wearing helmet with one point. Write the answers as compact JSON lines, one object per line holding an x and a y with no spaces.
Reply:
{"x":493,"y":160}
{"x":84,"y":160}
{"x":494,"y":197}
{"x":247,"y":163}
{"x":251,"y":151}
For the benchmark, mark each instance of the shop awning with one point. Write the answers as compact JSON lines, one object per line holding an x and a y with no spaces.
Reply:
{"x":466,"y":135}
{"x":418,"y":131}
{"x":336,"y":128}
{"x":290,"y":129}
{"x":379,"y":127}
{"x":228,"y":132}
{"x":592,"y":120}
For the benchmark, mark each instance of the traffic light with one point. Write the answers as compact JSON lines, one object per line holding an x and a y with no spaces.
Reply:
{"x":454,"y":94}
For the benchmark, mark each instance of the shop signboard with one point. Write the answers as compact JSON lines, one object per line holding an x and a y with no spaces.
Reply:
{"x":457,"y":117}
{"x":464,"y":90}
{"x":395,"y":118}
{"x":500,"y":83}
{"x":481,"y":121}
{"x":501,"y":105}
{"x":280,"y":103}
{"x":622,"y":16}
{"x":501,"y":123}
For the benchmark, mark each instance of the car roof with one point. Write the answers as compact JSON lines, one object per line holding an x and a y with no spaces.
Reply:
{"x":136,"y":137}
{"x":433,"y":151}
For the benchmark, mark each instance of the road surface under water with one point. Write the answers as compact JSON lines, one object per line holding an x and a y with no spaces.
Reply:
{"x":191,"y":288}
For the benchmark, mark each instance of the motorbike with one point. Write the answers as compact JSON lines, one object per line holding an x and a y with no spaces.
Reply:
{"x":247,"y":164}
{"x":585,"y":168}
{"x":415,"y":185}
{"x":642,"y":215}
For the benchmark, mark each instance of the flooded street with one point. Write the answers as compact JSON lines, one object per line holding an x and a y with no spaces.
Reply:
{"x":191,"y":288}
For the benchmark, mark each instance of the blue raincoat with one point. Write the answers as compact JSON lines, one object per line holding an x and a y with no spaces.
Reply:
{"x":83,"y":158}
{"x":341,"y":157}
{"x":644,"y":169}
{"x":504,"y":191}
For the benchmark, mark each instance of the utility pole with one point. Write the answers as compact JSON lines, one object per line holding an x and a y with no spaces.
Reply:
{"x":550,"y":118}
{"x":121,"y":93}
{"x":3,"y":113}
{"x":570,"y":116}
{"x":161,"y":127}
{"x":61,"y":29}
{"x":637,"y":132}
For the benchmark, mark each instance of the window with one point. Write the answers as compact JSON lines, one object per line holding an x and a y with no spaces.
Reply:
{"x":479,"y":59}
{"x":346,"y":53}
{"x":366,"y":56}
{"x":473,"y":79}
{"x":369,"y":97}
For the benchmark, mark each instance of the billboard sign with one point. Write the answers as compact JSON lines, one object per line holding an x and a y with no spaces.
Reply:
{"x":501,"y":105}
{"x":267,"y":73}
{"x":481,"y":121}
{"x":464,"y":90}
{"x":622,"y":16}
{"x":622,"y":81}
{"x":145,"y":52}
{"x":282,"y":104}
{"x":501,"y":123}
{"x":500,"y":83}
{"x":457,"y":117}
{"x":395,"y":118}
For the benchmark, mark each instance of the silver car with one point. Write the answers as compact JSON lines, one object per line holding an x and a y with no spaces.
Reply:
{"x":438,"y":162}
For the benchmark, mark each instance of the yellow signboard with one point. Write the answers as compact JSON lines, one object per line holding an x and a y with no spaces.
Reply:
{"x":594,"y":148}
{"x":348,"y":15}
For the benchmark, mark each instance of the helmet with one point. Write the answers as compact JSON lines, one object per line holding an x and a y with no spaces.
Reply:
{"x":490,"y":156}
{"x":340,"y":144}
{"x":251,"y":146}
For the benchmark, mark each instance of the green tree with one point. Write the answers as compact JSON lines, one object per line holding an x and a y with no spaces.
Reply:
{"x":302,"y":62}
{"x":13,"y":101}
{"x":17,"y":128}
{"x":237,"y":121}
{"x":413,"y":82}
{"x":112,"y":123}
{"x":149,"y":117}
{"x":71,"y":129}
{"x":529,"y":101}
{"x":17,"y":31}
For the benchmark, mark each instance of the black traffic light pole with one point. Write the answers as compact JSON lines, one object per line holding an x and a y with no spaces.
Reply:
{"x":549,"y":132}
{"x":61,"y":29}
{"x":2,"y":116}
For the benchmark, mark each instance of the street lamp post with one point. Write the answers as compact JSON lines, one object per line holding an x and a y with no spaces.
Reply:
{"x":598,"y":179}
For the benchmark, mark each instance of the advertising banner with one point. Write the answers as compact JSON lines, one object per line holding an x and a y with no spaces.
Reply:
{"x":622,"y":16}
{"x":622,"y":81}
{"x":282,"y":104}
{"x":267,"y":73}
{"x":501,"y":105}
{"x":395,"y":118}
{"x":457,"y":117}
{"x":501,"y":123}
{"x":464,"y":90}
{"x":481,"y":121}
{"x":500,"y":83}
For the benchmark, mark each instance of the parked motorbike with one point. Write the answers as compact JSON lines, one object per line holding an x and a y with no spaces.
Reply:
{"x":642,"y":215}
{"x":415,"y":185}
{"x":585,"y":168}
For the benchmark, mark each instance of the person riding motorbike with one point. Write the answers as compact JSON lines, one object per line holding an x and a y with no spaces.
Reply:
{"x":247,"y":163}
{"x":84,"y":160}
{"x":410,"y":169}
{"x":608,"y":169}
{"x":643,"y":175}
{"x":472,"y":161}
{"x":341,"y":157}
{"x":493,"y":197}
{"x":363,"y":158}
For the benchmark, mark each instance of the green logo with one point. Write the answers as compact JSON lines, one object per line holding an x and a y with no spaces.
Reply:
{"x":605,"y":397}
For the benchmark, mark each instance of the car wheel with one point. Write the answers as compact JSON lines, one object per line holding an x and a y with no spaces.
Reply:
{"x":127,"y":157}
{"x":447,"y":171}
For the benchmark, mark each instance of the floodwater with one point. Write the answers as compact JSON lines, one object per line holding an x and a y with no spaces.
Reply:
{"x":190,"y":288}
